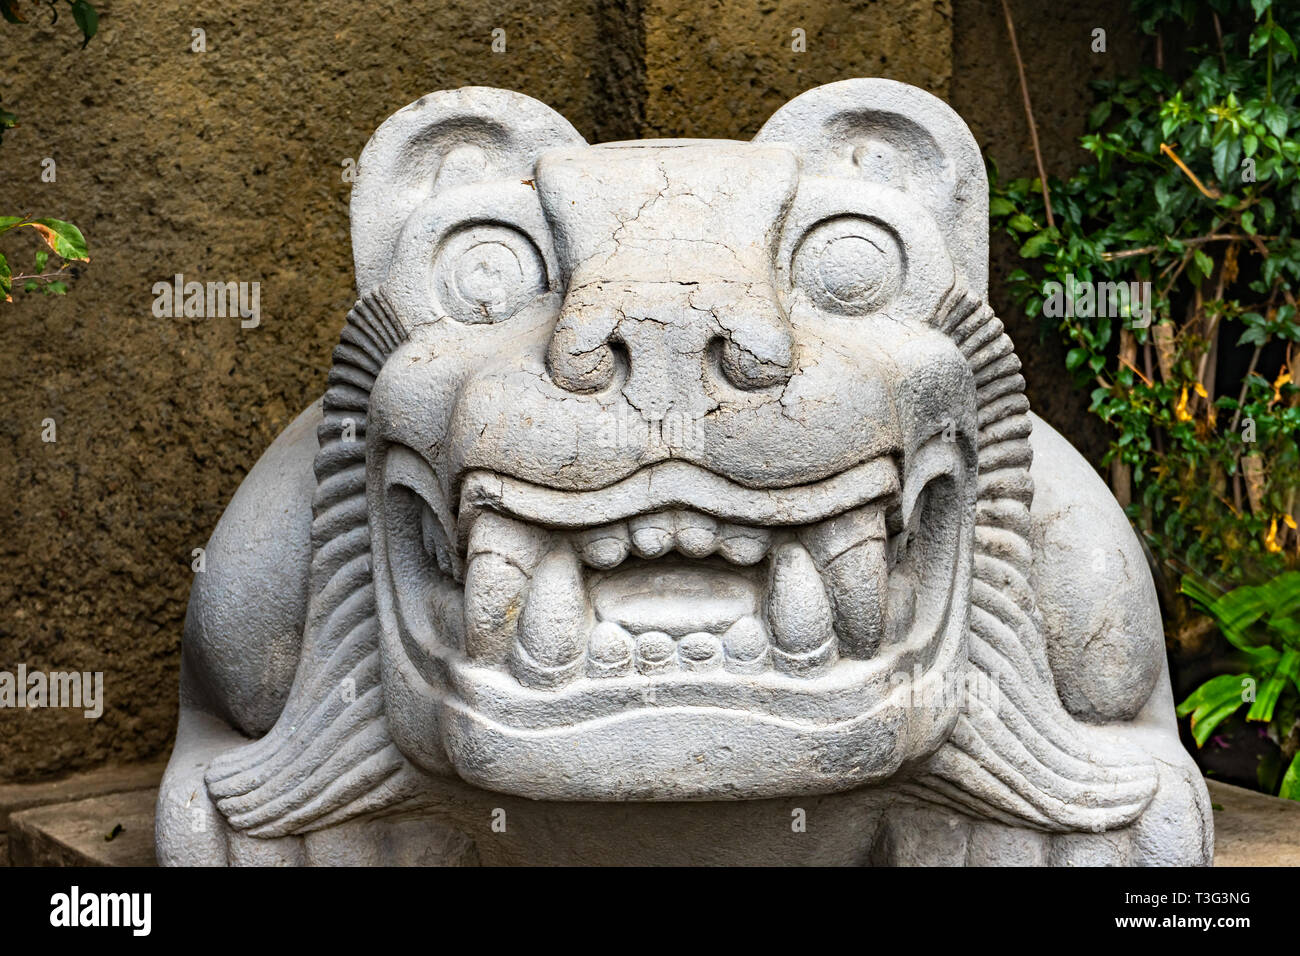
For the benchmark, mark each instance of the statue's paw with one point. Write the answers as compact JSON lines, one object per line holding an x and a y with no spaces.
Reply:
{"x":1177,"y":829}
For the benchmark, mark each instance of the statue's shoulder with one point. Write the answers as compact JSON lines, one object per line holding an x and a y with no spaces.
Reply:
{"x":1094,"y":587}
{"x":247,"y":605}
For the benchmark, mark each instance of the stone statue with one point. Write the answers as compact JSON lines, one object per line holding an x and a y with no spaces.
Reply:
{"x":675,"y":501}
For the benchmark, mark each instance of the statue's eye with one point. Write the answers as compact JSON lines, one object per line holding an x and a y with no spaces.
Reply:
{"x":849,"y":265}
{"x":487,"y":273}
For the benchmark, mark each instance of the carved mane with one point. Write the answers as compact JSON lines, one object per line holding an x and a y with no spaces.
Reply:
{"x":330,"y":756}
{"x":1012,"y":762}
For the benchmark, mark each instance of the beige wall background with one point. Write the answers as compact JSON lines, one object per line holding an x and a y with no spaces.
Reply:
{"x":226,"y":165}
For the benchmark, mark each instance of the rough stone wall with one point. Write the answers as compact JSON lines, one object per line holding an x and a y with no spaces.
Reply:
{"x":720,"y":68}
{"x":226,"y":165}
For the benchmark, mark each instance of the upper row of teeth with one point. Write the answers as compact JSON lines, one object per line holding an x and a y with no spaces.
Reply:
{"x":526,"y":603}
{"x":690,"y":533}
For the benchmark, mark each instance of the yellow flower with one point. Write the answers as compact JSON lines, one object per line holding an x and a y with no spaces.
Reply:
{"x":1200,"y":390}
{"x":1283,"y":377}
{"x":1270,"y":539}
{"x":1180,"y":410}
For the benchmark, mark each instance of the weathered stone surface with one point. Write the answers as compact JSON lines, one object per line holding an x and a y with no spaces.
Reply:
{"x":85,"y":832}
{"x":664,"y":473}
{"x":1253,"y":829}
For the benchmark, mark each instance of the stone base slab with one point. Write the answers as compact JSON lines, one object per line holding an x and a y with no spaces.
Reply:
{"x":1251,"y":829}
{"x":111,"y":830}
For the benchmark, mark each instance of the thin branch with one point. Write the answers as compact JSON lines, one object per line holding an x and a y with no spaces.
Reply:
{"x":1211,"y":335}
{"x":1134,"y":369}
{"x":1208,"y":193}
{"x":1029,"y":115}
{"x":1198,"y":241}
{"x":23,"y":277}
{"x":1218,"y":32}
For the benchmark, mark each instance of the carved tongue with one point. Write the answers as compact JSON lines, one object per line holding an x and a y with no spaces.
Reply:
{"x":501,"y":556}
{"x":799,"y":614}
{"x":555,"y":624}
{"x":675,"y":599}
{"x":849,"y":550}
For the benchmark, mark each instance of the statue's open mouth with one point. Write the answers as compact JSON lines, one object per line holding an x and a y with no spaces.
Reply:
{"x":677,"y":589}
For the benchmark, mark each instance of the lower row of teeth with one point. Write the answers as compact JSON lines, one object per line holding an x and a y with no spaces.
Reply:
{"x":526,"y":604}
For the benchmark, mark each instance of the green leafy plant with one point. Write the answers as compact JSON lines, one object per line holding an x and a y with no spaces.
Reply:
{"x":1193,"y":187}
{"x":1262,"y":623}
{"x":61,"y":238}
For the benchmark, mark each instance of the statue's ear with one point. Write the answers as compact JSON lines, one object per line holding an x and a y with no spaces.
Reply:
{"x":441,"y":140}
{"x":897,"y":135}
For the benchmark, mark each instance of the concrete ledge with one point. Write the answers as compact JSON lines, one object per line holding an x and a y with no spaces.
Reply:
{"x":23,"y":796}
{"x":111,"y":830}
{"x":17,"y":797}
{"x":1251,"y":829}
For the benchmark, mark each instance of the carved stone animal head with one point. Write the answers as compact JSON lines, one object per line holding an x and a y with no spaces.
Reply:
{"x":671,"y":470}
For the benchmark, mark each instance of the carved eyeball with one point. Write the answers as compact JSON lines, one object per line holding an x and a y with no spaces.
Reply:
{"x":487,"y":273}
{"x":849,"y":265}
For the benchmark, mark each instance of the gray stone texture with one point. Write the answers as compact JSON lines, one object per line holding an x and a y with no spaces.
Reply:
{"x":684,"y":481}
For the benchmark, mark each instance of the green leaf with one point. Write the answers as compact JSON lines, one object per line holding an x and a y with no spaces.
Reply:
{"x":1275,"y":120}
{"x":1074,"y":358}
{"x":1203,"y":262}
{"x":42,"y":257}
{"x":1213,"y":692}
{"x":1098,"y":114}
{"x":62,"y":237}
{"x":1022,"y":223}
{"x":1267,"y":697}
{"x":57,"y":288}
{"x":1283,"y":40}
{"x":1035,"y":246}
{"x":1203,"y":728}
{"x":1198,"y":591}
{"x":1248,"y":222}
{"x":1219,"y":158}
{"x":1001,"y":206}
{"x":87,"y":18}
{"x":6,"y":278}
{"x":1258,"y":40}
{"x":1290,"y":789}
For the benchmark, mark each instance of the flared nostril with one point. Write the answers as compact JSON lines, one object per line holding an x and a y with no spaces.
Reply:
{"x":746,"y":371}
{"x":581,"y":370}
